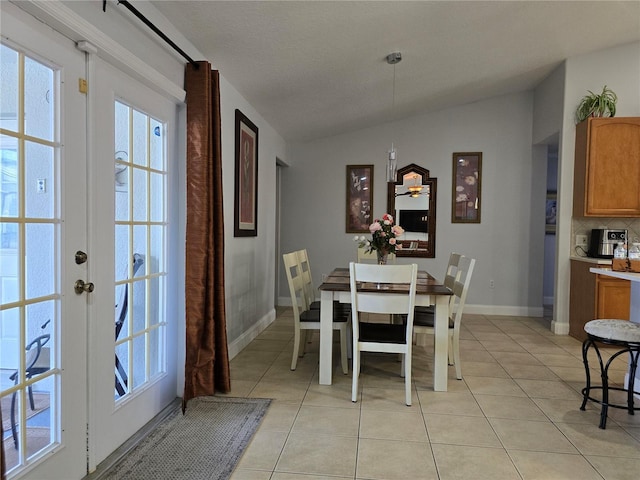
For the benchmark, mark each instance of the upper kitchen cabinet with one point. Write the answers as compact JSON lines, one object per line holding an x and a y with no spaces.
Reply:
{"x":607,"y":168}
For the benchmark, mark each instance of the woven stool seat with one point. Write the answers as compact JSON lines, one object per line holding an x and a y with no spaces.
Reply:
{"x":618,"y":333}
{"x":621,"y":330}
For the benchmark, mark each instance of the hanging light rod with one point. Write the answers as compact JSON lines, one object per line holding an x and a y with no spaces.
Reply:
{"x":159,"y":32}
{"x":392,"y":163}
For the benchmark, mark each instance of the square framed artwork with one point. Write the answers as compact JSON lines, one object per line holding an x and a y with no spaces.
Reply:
{"x":359,"y":203}
{"x":246,"y":182}
{"x":466,"y":191}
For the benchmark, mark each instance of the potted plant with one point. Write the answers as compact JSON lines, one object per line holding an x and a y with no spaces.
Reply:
{"x":594,"y":105}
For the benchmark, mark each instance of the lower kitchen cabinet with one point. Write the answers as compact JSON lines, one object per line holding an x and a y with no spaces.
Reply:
{"x":595,"y":296}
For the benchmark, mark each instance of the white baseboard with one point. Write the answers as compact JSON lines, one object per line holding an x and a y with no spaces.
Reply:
{"x":507,"y":310}
{"x":245,"y":339}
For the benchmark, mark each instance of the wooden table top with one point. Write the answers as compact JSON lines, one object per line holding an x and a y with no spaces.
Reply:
{"x":338,"y":281}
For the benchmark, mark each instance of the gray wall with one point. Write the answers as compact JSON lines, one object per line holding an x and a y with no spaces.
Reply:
{"x":619,"y":69}
{"x":505,"y":243}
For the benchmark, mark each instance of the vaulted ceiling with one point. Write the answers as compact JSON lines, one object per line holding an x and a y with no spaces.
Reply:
{"x":318,"y":68}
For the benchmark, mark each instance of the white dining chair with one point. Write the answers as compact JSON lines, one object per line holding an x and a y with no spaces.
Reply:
{"x":307,"y":279}
{"x":449,"y":279}
{"x":305,"y":319}
{"x":310,"y":291}
{"x":458,"y":282}
{"x":382,"y":337}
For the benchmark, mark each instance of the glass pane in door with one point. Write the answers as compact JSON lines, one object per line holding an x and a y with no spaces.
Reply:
{"x":140,"y":228}
{"x":29,"y":257}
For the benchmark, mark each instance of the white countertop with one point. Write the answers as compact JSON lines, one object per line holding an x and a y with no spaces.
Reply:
{"x":595,"y":261}
{"x":634,"y":277}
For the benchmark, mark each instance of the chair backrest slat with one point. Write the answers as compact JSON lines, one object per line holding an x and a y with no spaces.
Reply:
{"x":305,"y":272}
{"x":387,"y":303}
{"x":296,"y":285}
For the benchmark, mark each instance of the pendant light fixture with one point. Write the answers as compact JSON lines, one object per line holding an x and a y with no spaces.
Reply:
{"x":392,"y":163}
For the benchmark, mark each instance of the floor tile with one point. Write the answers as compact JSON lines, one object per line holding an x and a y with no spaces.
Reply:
{"x":263,"y":451}
{"x":591,"y":440}
{"x":499,"y":406}
{"x":493,"y":386}
{"x":461,"y":430}
{"x":456,"y":462}
{"x":556,"y":466}
{"x":450,"y":403}
{"x":319,"y":455}
{"x":547,"y":389}
{"x":394,"y":460}
{"x":531,"y":372}
{"x":616,"y":468}
{"x":531,"y":435}
{"x":313,"y":420}
{"x":407,"y":426}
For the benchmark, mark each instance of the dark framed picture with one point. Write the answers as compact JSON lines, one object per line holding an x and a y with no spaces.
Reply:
{"x":246,"y":198}
{"x":359,"y":198}
{"x":467,"y":182}
{"x":550,"y":212}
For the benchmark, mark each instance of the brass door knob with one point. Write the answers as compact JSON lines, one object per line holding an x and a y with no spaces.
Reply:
{"x":81,"y":287}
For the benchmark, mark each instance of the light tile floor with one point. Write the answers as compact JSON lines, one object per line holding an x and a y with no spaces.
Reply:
{"x":515,"y":414}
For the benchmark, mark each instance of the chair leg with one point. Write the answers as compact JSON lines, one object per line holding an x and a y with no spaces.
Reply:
{"x":296,"y":348}
{"x":31,"y":402}
{"x":455,"y":346}
{"x":356,"y":374}
{"x":343,"y":350}
{"x":14,"y":430}
{"x":407,"y":377}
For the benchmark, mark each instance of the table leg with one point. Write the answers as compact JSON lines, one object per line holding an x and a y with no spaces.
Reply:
{"x":441,"y":344}
{"x":326,"y":336}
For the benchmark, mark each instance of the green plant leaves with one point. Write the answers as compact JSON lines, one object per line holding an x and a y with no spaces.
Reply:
{"x":594,"y":105}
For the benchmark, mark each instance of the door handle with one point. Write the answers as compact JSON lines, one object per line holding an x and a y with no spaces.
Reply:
{"x":80,"y":286}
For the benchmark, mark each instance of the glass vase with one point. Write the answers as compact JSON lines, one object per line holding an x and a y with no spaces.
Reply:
{"x":382,"y":257}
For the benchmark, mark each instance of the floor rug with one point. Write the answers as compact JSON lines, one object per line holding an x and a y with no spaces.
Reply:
{"x":204,"y":443}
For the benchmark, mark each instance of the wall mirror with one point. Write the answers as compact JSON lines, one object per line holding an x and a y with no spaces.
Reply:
{"x":411,"y":199}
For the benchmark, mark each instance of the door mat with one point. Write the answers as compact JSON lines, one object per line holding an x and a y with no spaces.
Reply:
{"x":204,"y":443}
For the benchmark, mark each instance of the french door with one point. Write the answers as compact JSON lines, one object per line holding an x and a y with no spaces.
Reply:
{"x":43,"y":330}
{"x":132,"y":366}
{"x":87,"y":288}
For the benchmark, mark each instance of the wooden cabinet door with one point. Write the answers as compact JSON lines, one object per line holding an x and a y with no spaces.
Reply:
{"x":607,"y":168}
{"x":614,"y":297}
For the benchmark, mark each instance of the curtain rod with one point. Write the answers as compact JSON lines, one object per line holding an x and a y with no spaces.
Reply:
{"x":159,"y":32}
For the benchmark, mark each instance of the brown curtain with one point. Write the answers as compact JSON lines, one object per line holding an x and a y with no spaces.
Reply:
{"x":207,"y":359}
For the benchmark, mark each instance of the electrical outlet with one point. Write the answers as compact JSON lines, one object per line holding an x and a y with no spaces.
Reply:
{"x":581,"y":240}
{"x":491,"y":284}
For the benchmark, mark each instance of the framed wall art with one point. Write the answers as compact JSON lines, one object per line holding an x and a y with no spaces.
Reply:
{"x":359,"y":198}
{"x":467,"y":181}
{"x":246,"y":172}
{"x":550,"y":212}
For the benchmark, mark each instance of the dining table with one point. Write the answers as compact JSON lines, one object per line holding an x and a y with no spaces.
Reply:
{"x":429,"y":291}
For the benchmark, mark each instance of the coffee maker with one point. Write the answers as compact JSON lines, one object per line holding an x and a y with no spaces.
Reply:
{"x":604,"y":241}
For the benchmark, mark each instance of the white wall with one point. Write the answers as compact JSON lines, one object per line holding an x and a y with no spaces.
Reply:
{"x":249,"y":265}
{"x":619,"y":69}
{"x":314,"y":190}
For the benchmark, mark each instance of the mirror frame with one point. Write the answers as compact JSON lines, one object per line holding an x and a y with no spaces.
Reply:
{"x":426,"y":249}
